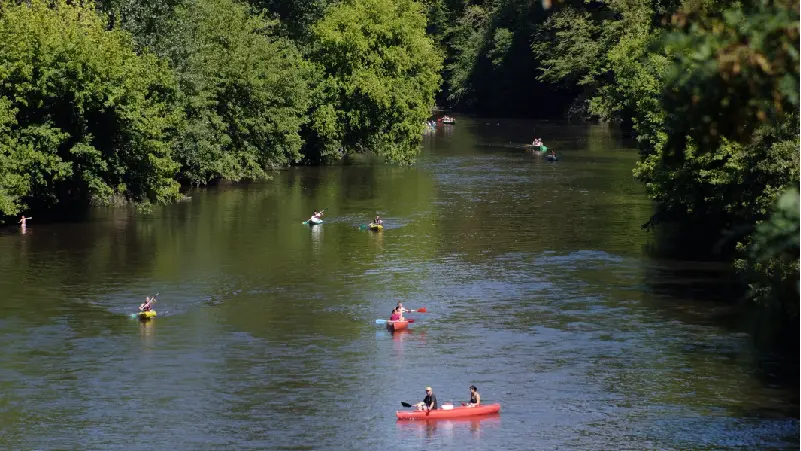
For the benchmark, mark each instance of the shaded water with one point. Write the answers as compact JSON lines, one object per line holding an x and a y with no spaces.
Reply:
{"x":536,"y":278}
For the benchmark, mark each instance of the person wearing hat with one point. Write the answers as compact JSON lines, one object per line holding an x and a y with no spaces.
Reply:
{"x":429,"y":402}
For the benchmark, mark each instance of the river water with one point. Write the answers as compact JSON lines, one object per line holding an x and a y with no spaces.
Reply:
{"x":537,"y":278}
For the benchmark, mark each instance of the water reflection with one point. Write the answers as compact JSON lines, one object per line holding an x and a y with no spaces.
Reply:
{"x":147,"y":331}
{"x":316,"y":236}
{"x":448,"y":427}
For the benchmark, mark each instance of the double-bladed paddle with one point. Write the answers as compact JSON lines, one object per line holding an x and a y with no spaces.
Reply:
{"x":406,"y":404}
{"x":134,"y":315}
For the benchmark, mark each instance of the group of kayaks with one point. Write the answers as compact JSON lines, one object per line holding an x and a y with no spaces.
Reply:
{"x":446,"y":410}
{"x":313,"y":221}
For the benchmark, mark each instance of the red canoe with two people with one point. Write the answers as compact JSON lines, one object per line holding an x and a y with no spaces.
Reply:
{"x":448,"y":411}
{"x":397,"y":321}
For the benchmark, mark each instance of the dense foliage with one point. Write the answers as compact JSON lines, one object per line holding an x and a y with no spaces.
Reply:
{"x":82,"y":116}
{"x":125,"y":99}
{"x":381,"y":72}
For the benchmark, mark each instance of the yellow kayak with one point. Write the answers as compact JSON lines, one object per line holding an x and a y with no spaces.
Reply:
{"x":374,"y":226}
{"x":146,"y":315}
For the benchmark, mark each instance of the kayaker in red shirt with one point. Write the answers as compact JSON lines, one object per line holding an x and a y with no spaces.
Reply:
{"x":429,"y":402}
{"x":397,"y":315}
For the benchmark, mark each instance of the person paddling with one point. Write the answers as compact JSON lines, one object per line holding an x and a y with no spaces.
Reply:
{"x":23,"y":220}
{"x":429,"y":402}
{"x":378,"y":221}
{"x":397,"y":315}
{"x":148,"y":304}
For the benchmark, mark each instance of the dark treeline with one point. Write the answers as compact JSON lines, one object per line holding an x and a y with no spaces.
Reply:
{"x":127,"y":100}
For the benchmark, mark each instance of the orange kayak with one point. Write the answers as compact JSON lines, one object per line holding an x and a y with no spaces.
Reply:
{"x":455,"y":412}
{"x":397,"y":325}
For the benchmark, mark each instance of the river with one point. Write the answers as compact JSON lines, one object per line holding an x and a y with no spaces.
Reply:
{"x":539,"y":284}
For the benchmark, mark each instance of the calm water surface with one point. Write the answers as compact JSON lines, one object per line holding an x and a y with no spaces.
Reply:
{"x":536,"y":276}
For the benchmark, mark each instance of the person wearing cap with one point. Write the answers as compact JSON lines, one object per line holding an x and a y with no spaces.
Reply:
{"x":429,"y":402}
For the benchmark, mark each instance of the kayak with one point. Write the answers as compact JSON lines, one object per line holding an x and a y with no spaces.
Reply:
{"x":455,"y":412}
{"x":146,"y":315}
{"x":313,"y":221}
{"x":397,"y":325}
{"x":376,"y":227}
{"x":551,"y":158}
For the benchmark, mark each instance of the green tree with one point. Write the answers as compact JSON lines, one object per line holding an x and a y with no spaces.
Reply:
{"x":83,"y":118}
{"x":244,"y":92}
{"x":381,"y":72}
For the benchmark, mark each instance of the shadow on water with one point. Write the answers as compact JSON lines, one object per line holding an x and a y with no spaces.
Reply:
{"x":698,"y":285}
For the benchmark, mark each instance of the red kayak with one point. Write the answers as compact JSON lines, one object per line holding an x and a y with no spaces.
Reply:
{"x":456,"y":412}
{"x":397,"y":325}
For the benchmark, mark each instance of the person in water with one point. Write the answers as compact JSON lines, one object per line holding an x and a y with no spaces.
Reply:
{"x":475,"y":398}
{"x":23,"y":220}
{"x":148,"y":304}
{"x":378,"y":220}
{"x":429,"y":402}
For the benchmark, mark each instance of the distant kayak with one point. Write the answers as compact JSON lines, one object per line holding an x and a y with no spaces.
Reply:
{"x":552,"y":158}
{"x":397,"y":325}
{"x":146,"y":315}
{"x":376,"y":227}
{"x":444,"y":413}
{"x":537,"y":148}
{"x":313,"y":221}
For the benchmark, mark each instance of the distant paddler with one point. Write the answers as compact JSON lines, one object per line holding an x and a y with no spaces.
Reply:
{"x":24,"y":221}
{"x":148,"y":304}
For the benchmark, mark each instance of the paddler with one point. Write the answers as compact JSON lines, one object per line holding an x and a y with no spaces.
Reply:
{"x":377,"y":220}
{"x":24,"y":221}
{"x":429,"y":402}
{"x":397,"y":315}
{"x":475,"y":398}
{"x":148,"y":304}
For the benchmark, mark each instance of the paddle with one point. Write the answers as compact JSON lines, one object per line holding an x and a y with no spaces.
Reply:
{"x":134,"y":315}
{"x":384,"y":321}
{"x":419,"y":310}
{"x":406,"y":404}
